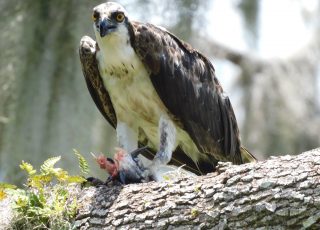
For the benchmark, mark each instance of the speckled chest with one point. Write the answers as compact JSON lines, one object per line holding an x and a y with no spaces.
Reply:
{"x":134,"y":98}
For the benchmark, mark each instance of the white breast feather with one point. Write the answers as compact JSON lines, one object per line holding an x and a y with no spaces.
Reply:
{"x":134,"y":98}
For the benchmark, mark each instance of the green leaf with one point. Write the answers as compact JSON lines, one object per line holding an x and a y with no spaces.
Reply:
{"x":61,"y":174}
{"x":46,"y":200}
{"x":35,"y":201}
{"x":27,"y":167}
{"x":83,"y":164}
{"x":47,"y":166}
{"x":22,"y":202}
{"x":38,"y":181}
{"x":76,"y":179}
{"x":7,"y":186}
{"x":3,"y":194}
{"x":62,"y":192}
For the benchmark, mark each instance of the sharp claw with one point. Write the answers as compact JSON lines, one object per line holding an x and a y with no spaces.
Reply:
{"x":109,"y":179}
{"x":95,"y":181}
{"x":122,"y":177}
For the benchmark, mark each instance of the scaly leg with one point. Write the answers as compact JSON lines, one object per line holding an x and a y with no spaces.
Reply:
{"x":167,"y":135}
{"x":127,"y":138}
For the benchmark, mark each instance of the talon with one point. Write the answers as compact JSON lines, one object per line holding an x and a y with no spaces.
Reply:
{"x":94,"y":181}
{"x":135,"y":153}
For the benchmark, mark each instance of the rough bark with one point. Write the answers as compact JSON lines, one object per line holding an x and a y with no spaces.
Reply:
{"x":280,"y":193}
{"x":45,"y":107}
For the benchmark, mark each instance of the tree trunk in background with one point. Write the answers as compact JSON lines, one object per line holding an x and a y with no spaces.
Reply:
{"x":279,"y":98}
{"x":280,"y":193}
{"x":45,"y":107}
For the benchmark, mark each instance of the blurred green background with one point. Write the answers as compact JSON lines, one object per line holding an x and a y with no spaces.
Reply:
{"x":266,"y":55}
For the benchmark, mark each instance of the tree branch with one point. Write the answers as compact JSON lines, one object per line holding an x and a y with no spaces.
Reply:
{"x":219,"y":51}
{"x":280,"y":192}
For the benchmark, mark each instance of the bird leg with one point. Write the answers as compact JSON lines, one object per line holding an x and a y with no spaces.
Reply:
{"x":167,"y":135}
{"x":127,"y":168}
{"x":127,"y":138}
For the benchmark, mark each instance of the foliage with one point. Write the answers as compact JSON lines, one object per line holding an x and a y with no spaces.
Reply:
{"x":49,"y":199}
{"x":83,"y":164}
{"x":3,"y":188}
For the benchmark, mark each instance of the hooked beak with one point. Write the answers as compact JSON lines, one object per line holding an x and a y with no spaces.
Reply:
{"x":105,"y":27}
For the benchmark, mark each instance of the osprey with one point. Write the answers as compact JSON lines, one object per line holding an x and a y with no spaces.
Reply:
{"x":143,"y":77}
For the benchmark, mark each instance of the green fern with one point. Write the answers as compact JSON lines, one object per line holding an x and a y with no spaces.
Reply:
{"x":76,"y":179}
{"x":48,"y":166}
{"x":7,"y":186}
{"x":28,"y":168}
{"x":49,"y":200}
{"x":83,"y":164}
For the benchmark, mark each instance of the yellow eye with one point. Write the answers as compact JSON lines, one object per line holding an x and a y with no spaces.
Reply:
{"x":120,"y":17}
{"x":95,"y":16}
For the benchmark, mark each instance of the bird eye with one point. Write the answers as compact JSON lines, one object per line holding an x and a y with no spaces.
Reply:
{"x":120,"y":17}
{"x":95,"y":16}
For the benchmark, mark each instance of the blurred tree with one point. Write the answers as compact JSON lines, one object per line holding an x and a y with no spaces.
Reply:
{"x":282,"y":109}
{"x":249,"y":10}
{"x":45,"y":108}
{"x":184,"y":17}
{"x":250,"y":13}
{"x":279,"y":96}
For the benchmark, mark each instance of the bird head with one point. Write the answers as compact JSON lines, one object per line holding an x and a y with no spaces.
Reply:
{"x":110,"y":19}
{"x":107,"y":164}
{"x":124,"y":167}
{"x":114,"y":166}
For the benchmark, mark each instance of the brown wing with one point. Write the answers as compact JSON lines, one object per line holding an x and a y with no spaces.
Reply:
{"x":99,"y":94}
{"x":185,"y":81}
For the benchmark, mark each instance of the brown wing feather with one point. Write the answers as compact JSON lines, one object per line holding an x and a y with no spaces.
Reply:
{"x":185,"y":81}
{"x":99,"y":94}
